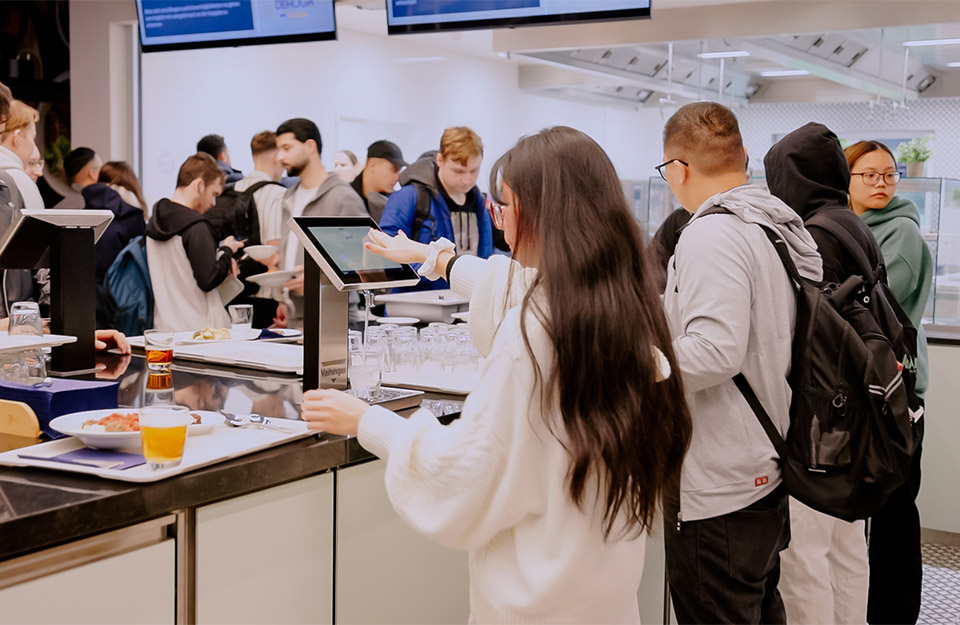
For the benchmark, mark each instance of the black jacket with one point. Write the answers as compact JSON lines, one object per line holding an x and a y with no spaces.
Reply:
{"x":807,"y":170}
{"x":128,"y":223}
{"x":199,"y":241}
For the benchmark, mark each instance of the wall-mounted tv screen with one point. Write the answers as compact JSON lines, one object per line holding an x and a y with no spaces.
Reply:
{"x":418,"y":16}
{"x":183,"y":24}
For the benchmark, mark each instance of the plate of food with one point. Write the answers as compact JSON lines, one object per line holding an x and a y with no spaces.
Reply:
{"x":119,"y":428}
{"x":260,"y":252}
{"x":215,"y":335}
{"x":273,"y":278}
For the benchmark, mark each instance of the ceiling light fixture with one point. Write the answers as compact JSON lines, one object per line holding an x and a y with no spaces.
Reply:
{"x":723,"y":55}
{"x":776,"y":73}
{"x":954,"y":64}
{"x":931,"y":42}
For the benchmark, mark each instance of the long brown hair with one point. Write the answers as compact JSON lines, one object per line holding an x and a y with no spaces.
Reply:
{"x":121,"y":174}
{"x":625,"y":427}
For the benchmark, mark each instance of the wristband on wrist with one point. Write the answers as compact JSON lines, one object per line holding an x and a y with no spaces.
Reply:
{"x":429,"y":267}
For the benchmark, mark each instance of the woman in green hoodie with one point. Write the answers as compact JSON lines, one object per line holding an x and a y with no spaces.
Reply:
{"x":895,"y":562}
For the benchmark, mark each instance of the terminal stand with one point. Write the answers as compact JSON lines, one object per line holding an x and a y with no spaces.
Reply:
{"x":62,"y":240}
{"x":325,"y":318}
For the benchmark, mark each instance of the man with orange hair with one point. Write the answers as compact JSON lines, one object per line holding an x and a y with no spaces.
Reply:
{"x":440,"y":198}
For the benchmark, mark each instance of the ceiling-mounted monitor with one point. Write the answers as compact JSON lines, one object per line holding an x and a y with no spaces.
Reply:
{"x":185,"y":24}
{"x":419,"y":16}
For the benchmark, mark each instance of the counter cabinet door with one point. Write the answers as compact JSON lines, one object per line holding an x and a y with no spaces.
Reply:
{"x":386,"y":572}
{"x":267,"y":557}
{"x":134,"y":587}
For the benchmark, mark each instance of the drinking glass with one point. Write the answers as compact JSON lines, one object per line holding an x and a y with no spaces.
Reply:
{"x":241,"y":317}
{"x":12,"y":367}
{"x":25,"y":319}
{"x":34,"y":364}
{"x":159,"y":389}
{"x":158,"y":345}
{"x":431,"y":351}
{"x":378,"y":340}
{"x":163,"y":433}
{"x":406,"y":351}
{"x":365,"y":371}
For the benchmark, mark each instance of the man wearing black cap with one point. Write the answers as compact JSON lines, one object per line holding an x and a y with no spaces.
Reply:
{"x":379,"y":176}
{"x":82,"y":169}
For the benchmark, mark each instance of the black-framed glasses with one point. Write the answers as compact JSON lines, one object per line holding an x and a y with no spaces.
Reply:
{"x":660,"y":167}
{"x":871,"y":178}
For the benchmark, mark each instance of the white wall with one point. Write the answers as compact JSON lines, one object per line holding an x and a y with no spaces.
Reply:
{"x":101,"y":73}
{"x":356,"y":93}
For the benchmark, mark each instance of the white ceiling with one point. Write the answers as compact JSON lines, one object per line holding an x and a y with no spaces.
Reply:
{"x":624,"y":74}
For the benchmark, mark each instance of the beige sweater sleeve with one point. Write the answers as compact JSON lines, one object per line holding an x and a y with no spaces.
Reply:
{"x":493,"y":285}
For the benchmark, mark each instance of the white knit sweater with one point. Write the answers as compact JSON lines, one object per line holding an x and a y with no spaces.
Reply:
{"x":494,"y":482}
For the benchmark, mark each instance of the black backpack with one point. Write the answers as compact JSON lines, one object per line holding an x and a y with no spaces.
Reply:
{"x":852,"y":412}
{"x":235,"y":213}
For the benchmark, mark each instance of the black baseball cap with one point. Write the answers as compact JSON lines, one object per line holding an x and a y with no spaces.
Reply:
{"x":386,"y":150}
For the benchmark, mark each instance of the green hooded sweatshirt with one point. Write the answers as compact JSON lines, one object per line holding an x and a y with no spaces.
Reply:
{"x":909,"y":267}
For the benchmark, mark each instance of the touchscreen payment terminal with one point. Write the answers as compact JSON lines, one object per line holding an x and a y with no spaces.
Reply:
{"x":336,"y":244}
{"x":335,"y":263}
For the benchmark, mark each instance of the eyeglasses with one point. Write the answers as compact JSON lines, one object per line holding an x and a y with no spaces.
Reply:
{"x":871,"y":178}
{"x":496,"y":214}
{"x":660,"y":167}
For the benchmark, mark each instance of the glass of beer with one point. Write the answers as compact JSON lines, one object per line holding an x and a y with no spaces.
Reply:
{"x":163,"y":432}
{"x":159,"y":347}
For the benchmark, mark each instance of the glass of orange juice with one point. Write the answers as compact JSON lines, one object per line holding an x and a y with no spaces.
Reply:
{"x":159,"y":347}
{"x":163,"y":432}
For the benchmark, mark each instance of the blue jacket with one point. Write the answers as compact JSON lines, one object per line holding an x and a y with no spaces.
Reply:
{"x":128,"y":223}
{"x":401,"y":211}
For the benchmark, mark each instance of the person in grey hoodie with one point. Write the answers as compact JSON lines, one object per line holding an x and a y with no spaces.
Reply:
{"x":731,"y":308}
{"x":316,"y":194}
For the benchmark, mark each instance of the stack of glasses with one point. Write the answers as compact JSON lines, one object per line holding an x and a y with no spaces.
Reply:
{"x":439,"y":350}
{"x":29,"y":365}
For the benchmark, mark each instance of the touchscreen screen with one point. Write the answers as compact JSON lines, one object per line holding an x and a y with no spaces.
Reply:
{"x":344,"y":244}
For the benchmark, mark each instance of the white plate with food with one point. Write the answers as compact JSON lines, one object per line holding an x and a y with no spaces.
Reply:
{"x":119,"y":428}
{"x":260,"y":252}
{"x":215,"y":335}
{"x":273,"y":278}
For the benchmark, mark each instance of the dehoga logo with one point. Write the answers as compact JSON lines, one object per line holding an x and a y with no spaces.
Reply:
{"x":282,"y":5}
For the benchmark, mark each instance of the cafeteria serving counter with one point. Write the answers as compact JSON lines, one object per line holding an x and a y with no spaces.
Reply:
{"x":302,"y":532}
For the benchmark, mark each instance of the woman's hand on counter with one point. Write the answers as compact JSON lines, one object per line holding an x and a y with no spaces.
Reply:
{"x":332,"y":411}
{"x":399,"y":249}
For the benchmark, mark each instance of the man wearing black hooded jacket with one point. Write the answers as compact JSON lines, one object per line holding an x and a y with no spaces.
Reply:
{"x":825,"y":573}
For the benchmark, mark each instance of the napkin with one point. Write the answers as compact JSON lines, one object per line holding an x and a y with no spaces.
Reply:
{"x":92,"y":457}
{"x":62,"y":397}
{"x":268,"y":334}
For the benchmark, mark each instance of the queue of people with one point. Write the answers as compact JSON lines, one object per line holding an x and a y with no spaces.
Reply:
{"x":602,"y":405}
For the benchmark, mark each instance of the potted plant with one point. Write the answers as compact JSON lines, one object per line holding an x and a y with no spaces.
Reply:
{"x":915,"y":154}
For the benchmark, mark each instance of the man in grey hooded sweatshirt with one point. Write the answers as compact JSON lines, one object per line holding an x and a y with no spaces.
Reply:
{"x":731,"y":308}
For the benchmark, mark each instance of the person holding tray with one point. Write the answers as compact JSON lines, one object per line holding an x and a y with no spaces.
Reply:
{"x":553,"y":473}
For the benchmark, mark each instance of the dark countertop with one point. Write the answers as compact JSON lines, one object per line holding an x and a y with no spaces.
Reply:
{"x":42,"y":508}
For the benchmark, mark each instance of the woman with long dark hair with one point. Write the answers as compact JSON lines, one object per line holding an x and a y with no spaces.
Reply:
{"x":555,"y":468}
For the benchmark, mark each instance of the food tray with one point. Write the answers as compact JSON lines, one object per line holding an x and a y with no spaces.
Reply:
{"x":277,"y":357}
{"x":20,"y":342}
{"x":222,"y":443}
